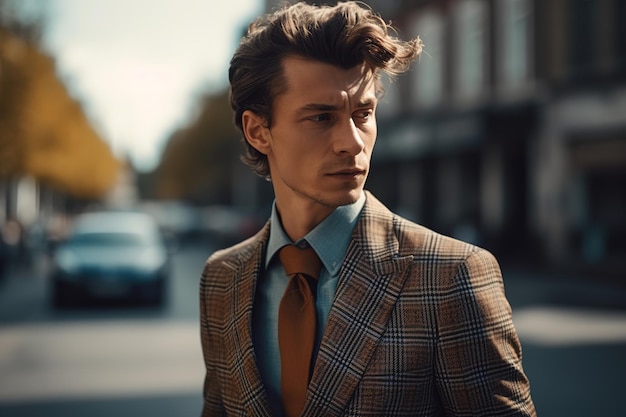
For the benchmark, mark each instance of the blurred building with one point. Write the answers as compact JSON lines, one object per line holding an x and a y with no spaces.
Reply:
{"x":510,"y":131}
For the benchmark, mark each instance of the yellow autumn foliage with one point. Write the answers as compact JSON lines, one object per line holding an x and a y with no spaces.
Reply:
{"x":47,"y":129}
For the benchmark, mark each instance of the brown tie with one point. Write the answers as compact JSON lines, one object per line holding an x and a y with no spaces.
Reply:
{"x":296,"y":325}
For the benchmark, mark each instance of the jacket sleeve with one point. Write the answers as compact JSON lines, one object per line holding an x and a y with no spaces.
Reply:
{"x":479,"y":360}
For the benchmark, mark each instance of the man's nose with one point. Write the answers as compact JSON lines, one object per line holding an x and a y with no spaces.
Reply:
{"x":348,"y":139}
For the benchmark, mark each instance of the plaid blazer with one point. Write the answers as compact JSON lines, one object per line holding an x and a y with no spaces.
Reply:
{"x":420,"y":326}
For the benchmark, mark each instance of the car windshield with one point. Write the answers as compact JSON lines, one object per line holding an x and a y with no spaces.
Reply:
{"x":108,"y":239}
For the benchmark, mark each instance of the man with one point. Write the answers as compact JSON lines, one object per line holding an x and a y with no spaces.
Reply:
{"x":405,"y":321}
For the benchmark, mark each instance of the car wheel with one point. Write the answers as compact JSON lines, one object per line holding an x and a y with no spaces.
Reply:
{"x":154,"y":295}
{"x":158,"y":298}
{"x":62,"y":296}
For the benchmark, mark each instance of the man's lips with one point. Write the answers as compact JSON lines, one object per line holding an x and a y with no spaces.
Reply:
{"x":352,"y":172}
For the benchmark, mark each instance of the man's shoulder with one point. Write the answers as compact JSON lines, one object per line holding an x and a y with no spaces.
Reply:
{"x":239,"y":252}
{"x":412,"y":234}
{"x":445,"y":256}
{"x":416,"y":239}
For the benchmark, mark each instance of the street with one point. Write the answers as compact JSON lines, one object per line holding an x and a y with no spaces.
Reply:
{"x":573,"y":337}
{"x":104,"y":361}
{"x":127,"y":361}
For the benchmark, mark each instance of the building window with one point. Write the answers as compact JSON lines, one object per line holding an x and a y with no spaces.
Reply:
{"x":390,"y":103}
{"x":514,"y":43}
{"x":620,"y":34}
{"x":582,"y":37}
{"x":470,"y":43}
{"x":429,"y":74}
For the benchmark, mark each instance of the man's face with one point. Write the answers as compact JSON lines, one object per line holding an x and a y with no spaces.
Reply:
{"x":323,"y":133}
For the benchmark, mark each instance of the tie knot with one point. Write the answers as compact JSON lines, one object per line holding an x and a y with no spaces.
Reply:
{"x":297,"y":260}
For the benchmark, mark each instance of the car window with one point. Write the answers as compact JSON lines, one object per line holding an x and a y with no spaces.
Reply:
{"x":108,"y":239}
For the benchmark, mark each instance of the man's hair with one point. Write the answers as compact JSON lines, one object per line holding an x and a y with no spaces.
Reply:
{"x":345,"y":35}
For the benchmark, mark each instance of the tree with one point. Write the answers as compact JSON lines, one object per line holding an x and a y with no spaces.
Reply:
{"x":44,"y":132}
{"x":197,"y":163}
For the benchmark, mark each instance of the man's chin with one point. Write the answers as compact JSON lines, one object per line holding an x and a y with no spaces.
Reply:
{"x":350,"y":198}
{"x":337,"y":198}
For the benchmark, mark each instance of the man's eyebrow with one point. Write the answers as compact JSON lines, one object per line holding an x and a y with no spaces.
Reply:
{"x":318,"y":107}
{"x":330,"y":107}
{"x":368,"y":102}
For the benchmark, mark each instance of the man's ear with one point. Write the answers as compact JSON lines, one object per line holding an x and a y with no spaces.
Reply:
{"x":257,"y":134}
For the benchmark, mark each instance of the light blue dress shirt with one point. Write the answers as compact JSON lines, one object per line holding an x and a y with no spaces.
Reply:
{"x":330,"y":240}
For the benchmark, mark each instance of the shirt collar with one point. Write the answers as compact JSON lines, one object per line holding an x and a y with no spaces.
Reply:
{"x":330,"y":238}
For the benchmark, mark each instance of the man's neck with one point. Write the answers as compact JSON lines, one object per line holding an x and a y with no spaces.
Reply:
{"x":298,"y":224}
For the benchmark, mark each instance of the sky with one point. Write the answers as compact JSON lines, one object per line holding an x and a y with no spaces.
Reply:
{"x":138,"y":66}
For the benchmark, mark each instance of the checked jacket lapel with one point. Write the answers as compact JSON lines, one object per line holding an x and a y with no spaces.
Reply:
{"x":371,"y":280}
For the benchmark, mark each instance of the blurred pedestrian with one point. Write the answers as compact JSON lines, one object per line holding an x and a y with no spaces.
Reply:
{"x":12,"y":235}
{"x":4,"y":255}
{"x":339,"y":306}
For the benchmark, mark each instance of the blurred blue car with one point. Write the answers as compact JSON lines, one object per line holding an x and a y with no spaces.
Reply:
{"x":111,"y":255}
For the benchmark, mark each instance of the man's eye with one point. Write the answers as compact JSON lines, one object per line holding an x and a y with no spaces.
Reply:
{"x":320,"y":117}
{"x":366,"y":114}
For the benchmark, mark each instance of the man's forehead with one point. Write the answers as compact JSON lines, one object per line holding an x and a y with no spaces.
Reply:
{"x":326,"y":82}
